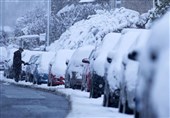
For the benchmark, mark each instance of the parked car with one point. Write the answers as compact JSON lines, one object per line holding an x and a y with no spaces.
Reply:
{"x":8,"y":70}
{"x":128,"y":81}
{"x":113,"y":66}
{"x":73,"y":75}
{"x":86,"y":74}
{"x":57,"y":67}
{"x":97,"y":64}
{"x":152,"y":93}
{"x":30,"y":69}
{"x":38,"y":68}
{"x":3,"y":57}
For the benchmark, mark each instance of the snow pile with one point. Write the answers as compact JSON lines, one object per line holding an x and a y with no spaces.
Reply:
{"x":92,"y":31}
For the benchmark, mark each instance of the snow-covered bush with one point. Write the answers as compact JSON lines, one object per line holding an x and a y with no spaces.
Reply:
{"x":157,"y":12}
{"x":92,"y":30}
{"x":33,"y":22}
{"x":69,"y":15}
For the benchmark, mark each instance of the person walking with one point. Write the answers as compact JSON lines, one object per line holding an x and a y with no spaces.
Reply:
{"x":17,"y":63}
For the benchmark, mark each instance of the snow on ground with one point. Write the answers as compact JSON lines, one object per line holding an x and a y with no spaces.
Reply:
{"x":82,"y":105}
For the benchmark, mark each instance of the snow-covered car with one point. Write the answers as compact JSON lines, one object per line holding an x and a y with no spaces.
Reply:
{"x":114,"y":68}
{"x":86,"y":75}
{"x":3,"y":57}
{"x":130,"y":74}
{"x":37,"y":70}
{"x":73,"y":75}
{"x":57,"y":67}
{"x":8,"y":71}
{"x":31,"y":67}
{"x":152,"y":95}
{"x":98,"y":61}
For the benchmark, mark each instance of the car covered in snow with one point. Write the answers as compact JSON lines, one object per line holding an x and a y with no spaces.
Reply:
{"x":128,"y":81}
{"x":8,"y":70}
{"x":37,"y":70}
{"x":114,"y":67}
{"x":98,"y":61}
{"x":73,"y":75}
{"x":86,"y":74}
{"x":3,"y":57}
{"x":57,"y":67}
{"x":152,"y":94}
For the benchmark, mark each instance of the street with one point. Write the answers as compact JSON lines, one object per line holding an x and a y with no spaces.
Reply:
{"x":20,"y":102}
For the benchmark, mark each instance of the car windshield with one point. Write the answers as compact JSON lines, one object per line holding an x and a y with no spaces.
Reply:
{"x":34,"y":58}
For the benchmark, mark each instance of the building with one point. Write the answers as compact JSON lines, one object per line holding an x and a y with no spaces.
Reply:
{"x":141,"y":6}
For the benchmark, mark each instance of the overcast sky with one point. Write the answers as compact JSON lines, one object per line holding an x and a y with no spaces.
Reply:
{"x":10,"y":10}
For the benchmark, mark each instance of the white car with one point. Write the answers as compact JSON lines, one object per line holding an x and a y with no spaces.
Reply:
{"x":152,"y":96}
{"x":114,"y":63}
{"x":3,"y":57}
{"x":130,"y":74}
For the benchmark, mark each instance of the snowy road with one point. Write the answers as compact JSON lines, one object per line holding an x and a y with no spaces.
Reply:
{"x":82,"y":105}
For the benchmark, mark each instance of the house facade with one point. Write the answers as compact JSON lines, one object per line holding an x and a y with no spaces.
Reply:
{"x":141,"y":6}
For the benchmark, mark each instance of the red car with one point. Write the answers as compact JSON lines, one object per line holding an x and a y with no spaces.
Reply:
{"x":53,"y":79}
{"x":57,"y":67}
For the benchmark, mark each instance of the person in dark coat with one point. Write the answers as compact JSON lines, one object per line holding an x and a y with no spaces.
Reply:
{"x":17,"y":64}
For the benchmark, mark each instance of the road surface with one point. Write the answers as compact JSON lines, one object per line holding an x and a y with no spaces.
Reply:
{"x":20,"y":102}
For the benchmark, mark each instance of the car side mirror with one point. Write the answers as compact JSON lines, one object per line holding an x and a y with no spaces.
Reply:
{"x":85,"y":60}
{"x":133,"y":55}
{"x":109,"y":60}
{"x":67,"y":61}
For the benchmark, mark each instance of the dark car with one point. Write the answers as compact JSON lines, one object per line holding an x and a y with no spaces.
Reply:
{"x":97,"y":64}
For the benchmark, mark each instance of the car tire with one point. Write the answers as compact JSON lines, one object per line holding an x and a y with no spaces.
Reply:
{"x":136,"y":114}
{"x":120,"y":107}
{"x":104,"y":100}
{"x":126,"y":109}
{"x":34,"y":80}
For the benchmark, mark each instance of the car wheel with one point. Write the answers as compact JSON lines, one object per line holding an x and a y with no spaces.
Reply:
{"x":120,"y":107}
{"x":82,"y":88}
{"x":34,"y":80}
{"x":48,"y":83}
{"x":137,"y":114}
{"x":104,"y":100}
{"x":126,"y":109}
